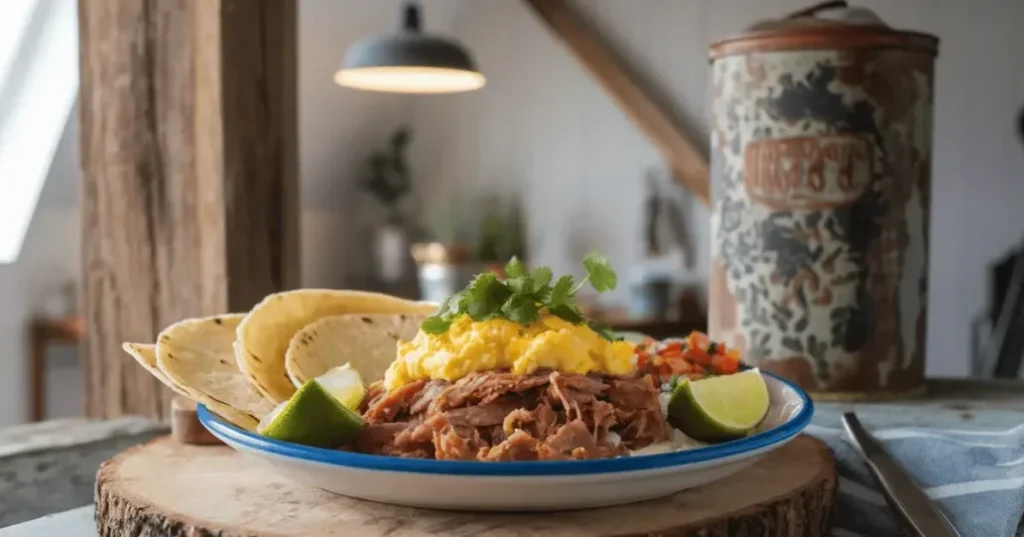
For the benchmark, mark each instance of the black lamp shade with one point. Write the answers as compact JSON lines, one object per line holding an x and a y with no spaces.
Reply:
{"x":409,"y":62}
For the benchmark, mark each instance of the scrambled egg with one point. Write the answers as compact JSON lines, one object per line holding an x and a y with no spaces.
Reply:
{"x":469,"y":346}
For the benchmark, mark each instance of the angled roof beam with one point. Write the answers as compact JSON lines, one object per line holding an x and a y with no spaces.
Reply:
{"x":689,"y":164}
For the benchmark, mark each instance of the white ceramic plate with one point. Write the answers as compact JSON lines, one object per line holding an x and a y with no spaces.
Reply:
{"x":523,"y":486}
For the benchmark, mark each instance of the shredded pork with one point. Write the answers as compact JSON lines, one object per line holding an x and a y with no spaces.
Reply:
{"x":500,"y":416}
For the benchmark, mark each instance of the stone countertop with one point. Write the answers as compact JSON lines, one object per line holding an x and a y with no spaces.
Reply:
{"x":57,"y":434}
{"x":50,"y":466}
{"x":948,"y":403}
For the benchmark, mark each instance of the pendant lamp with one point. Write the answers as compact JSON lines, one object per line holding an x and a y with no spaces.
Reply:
{"x":409,"y":61}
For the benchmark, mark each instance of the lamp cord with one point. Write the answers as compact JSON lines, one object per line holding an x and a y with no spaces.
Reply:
{"x":411,"y":17}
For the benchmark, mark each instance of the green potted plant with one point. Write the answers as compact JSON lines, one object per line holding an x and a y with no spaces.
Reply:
{"x":388,"y":181}
{"x":501,"y":234}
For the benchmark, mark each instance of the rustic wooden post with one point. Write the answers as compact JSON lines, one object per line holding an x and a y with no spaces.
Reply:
{"x":189,"y":174}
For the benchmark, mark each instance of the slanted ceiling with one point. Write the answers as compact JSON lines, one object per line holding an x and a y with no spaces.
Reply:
{"x":38,"y":85}
{"x":687,"y":160}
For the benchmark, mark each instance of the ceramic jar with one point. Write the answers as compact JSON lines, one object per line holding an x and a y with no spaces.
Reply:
{"x":821,"y":152}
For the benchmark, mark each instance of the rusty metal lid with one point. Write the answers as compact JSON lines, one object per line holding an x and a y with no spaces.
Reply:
{"x":825,"y":26}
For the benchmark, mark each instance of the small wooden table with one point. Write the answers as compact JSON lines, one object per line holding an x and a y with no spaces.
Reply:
{"x":42,"y":334}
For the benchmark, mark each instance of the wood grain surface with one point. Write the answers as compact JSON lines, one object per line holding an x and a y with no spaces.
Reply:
{"x":168,"y":489}
{"x":189,"y":178}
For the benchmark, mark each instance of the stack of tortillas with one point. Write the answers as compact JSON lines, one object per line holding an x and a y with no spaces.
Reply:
{"x":242,"y":365}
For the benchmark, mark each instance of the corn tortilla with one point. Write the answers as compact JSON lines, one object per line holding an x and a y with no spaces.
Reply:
{"x":265,"y":333}
{"x":368,"y":342}
{"x":145,"y":355}
{"x":198,"y":355}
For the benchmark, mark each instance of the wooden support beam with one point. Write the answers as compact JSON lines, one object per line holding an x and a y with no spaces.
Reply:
{"x":189,"y":175}
{"x":688,"y":164}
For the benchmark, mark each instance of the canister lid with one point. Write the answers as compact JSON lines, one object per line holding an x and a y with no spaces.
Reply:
{"x":828,"y":25}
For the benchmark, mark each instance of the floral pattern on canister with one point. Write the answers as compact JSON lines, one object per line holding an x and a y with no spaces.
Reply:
{"x":820,"y":165}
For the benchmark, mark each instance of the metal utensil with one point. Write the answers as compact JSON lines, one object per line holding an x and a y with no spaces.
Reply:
{"x":916,"y":512}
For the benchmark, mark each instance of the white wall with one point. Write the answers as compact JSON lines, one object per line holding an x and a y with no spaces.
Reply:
{"x":543,"y":127}
{"x":49,"y":258}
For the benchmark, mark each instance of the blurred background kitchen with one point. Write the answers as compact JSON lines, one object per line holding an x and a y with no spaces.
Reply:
{"x":540,"y":162}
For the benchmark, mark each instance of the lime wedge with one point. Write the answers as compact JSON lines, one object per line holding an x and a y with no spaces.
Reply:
{"x":312,"y":417}
{"x":719,"y":408}
{"x":345,"y":384}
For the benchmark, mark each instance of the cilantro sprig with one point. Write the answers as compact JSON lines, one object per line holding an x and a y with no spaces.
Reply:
{"x":521,"y":297}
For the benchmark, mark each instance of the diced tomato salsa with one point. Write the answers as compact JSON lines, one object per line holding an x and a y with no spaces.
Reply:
{"x":694,"y":357}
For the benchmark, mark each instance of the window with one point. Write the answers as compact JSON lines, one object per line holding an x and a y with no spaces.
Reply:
{"x":38,"y":87}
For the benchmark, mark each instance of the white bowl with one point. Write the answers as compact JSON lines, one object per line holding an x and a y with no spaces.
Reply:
{"x":523,"y":486}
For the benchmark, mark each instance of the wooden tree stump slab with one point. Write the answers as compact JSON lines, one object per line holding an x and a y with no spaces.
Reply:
{"x":165,"y":488}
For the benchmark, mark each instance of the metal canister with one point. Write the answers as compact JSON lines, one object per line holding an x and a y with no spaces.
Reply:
{"x":443,"y":269}
{"x":821,"y":152}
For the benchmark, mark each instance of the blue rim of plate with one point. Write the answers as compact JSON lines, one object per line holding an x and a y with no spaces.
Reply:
{"x":229,"y":433}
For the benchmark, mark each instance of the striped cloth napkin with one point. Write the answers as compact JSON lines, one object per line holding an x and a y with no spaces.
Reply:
{"x":977,"y":478}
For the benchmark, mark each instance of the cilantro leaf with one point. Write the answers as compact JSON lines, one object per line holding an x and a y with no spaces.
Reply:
{"x":599,"y":272}
{"x":521,"y":309}
{"x":481,"y":286}
{"x":541,"y":293}
{"x":486,"y":295}
{"x":483,"y":311}
{"x":604,"y":331}
{"x":522,"y":296}
{"x":561,"y":292}
{"x":435,"y":324}
{"x":443,"y":309}
{"x":567,"y":312}
{"x":453,"y":305}
{"x":514,"y":268}
{"x":521,"y":285}
{"x":541,"y":277}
